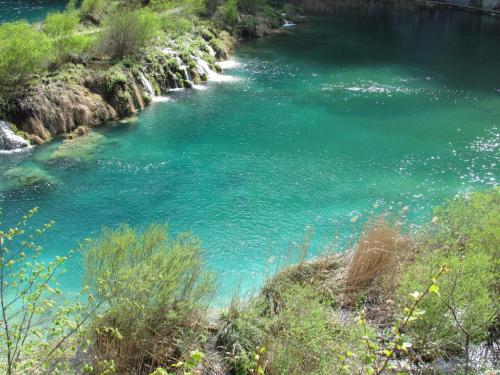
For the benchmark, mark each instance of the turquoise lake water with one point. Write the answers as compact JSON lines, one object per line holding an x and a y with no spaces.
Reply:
{"x":30,"y":10}
{"x":341,"y":118}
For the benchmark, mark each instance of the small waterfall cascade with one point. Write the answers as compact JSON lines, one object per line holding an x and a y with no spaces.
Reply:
{"x":203,"y":68}
{"x":147,"y":85}
{"x":211,"y":51}
{"x":185,"y":72}
{"x":288,"y":23}
{"x":9,"y":141}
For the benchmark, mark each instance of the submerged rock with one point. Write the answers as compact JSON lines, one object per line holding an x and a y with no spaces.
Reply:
{"x":10,"y":141}
{"x":129,"y":120}
{"x":80,"y":148}
{"x":22,"y":177}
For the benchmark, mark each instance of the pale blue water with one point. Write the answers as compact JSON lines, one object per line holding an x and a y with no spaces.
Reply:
{"x":350,"y":115}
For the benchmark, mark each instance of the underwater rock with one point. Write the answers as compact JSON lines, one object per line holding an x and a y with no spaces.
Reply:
{"x":22,"y":177}
{"x":80,"y":148}
{"x":78,"y":132}
{"x":129,"y":120}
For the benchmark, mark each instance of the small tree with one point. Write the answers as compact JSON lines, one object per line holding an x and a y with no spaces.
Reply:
{"x":127,"y":31}
{"x":35,"y":321}
{"x":25,"y":51}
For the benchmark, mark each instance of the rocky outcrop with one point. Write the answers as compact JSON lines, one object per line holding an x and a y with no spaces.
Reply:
{"x":10,"y":141}
{"x":58,"y":107}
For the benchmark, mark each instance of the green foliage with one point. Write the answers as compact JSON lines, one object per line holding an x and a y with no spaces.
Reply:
{"x":176,"y":25}
{"x":380,"y":354}
{"x":93,"y":10}
{"x":126,"y":31}
{"x":36,"y":322}
{"x":302,"y":335}
{"x":155,"y":289}
{"x":465,"y":238}
{"x":252,"y":6}
{"x":61,"y":28}
{"x":227,"y":13}
{"x":464,"y":306}
{"x":25,"y":51}
{"x":469,"y":223}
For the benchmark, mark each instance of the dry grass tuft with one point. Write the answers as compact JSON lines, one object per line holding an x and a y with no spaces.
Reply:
{"x":374,"y":267}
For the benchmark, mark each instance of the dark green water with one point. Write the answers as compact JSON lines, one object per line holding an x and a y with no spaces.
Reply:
{"x":345,"y":116}
{"x":30,"y":10}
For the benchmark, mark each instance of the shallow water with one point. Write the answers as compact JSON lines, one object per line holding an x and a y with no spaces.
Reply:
{"x":342,"y":118}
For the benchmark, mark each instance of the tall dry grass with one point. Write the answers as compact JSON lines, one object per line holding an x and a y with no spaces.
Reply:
{"x":375,"y":265}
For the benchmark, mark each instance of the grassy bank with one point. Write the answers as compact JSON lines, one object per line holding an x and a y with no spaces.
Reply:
{"x":395,"y":302}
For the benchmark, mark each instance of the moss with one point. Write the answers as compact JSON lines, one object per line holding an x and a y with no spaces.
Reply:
{"x":114,"y":76}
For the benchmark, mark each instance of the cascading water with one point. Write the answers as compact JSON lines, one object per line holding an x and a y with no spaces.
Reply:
{"x":150,"y":90}
{"x":185,"y":73}
{"x":147,"y":85}
{"x":211,"y":51}
{"x":9,"y":141}
{"x":203,"y":68}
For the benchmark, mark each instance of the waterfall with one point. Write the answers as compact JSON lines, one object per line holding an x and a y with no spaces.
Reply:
{"x":185,"y":72}
{"x":9,"y":141}
{"x":211,"y":51}
{"x":147,"y":85}
{"x":288,"y":23}
{"x":203,"y":68}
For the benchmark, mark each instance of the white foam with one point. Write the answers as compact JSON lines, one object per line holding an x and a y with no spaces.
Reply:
{"x":229,"y":64}
{"x":162,"y":99}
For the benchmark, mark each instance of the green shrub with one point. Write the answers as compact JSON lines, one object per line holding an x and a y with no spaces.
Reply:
{"x":464,"y":238}
{"x":155,"y":288}
{"x":176,"y":25}
{"x":60,"y":28}
{"x":227,"y":13}
{"x":25,"y":51}
{"x":92,"y":10}
{"x":126,"y":31}
{"x":37,"y":322}
{"x":469,"y":223}
{"x":304,"y":335}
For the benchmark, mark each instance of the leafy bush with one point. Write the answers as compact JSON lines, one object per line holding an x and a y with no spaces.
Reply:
{"x":37,"y":322}
{"x":465,"y":238}
{"x":227,"y":13}
{"x":463,"y":311}
{"x":126,"y":31}
{"x":303,"y":336}
{"x":61,"y":27}
{"x":176,"y":25}
{"x":25,"y":51}
{"x":93,"y":10}
{"x":155,"y":290}
{"x":469,"y":223}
